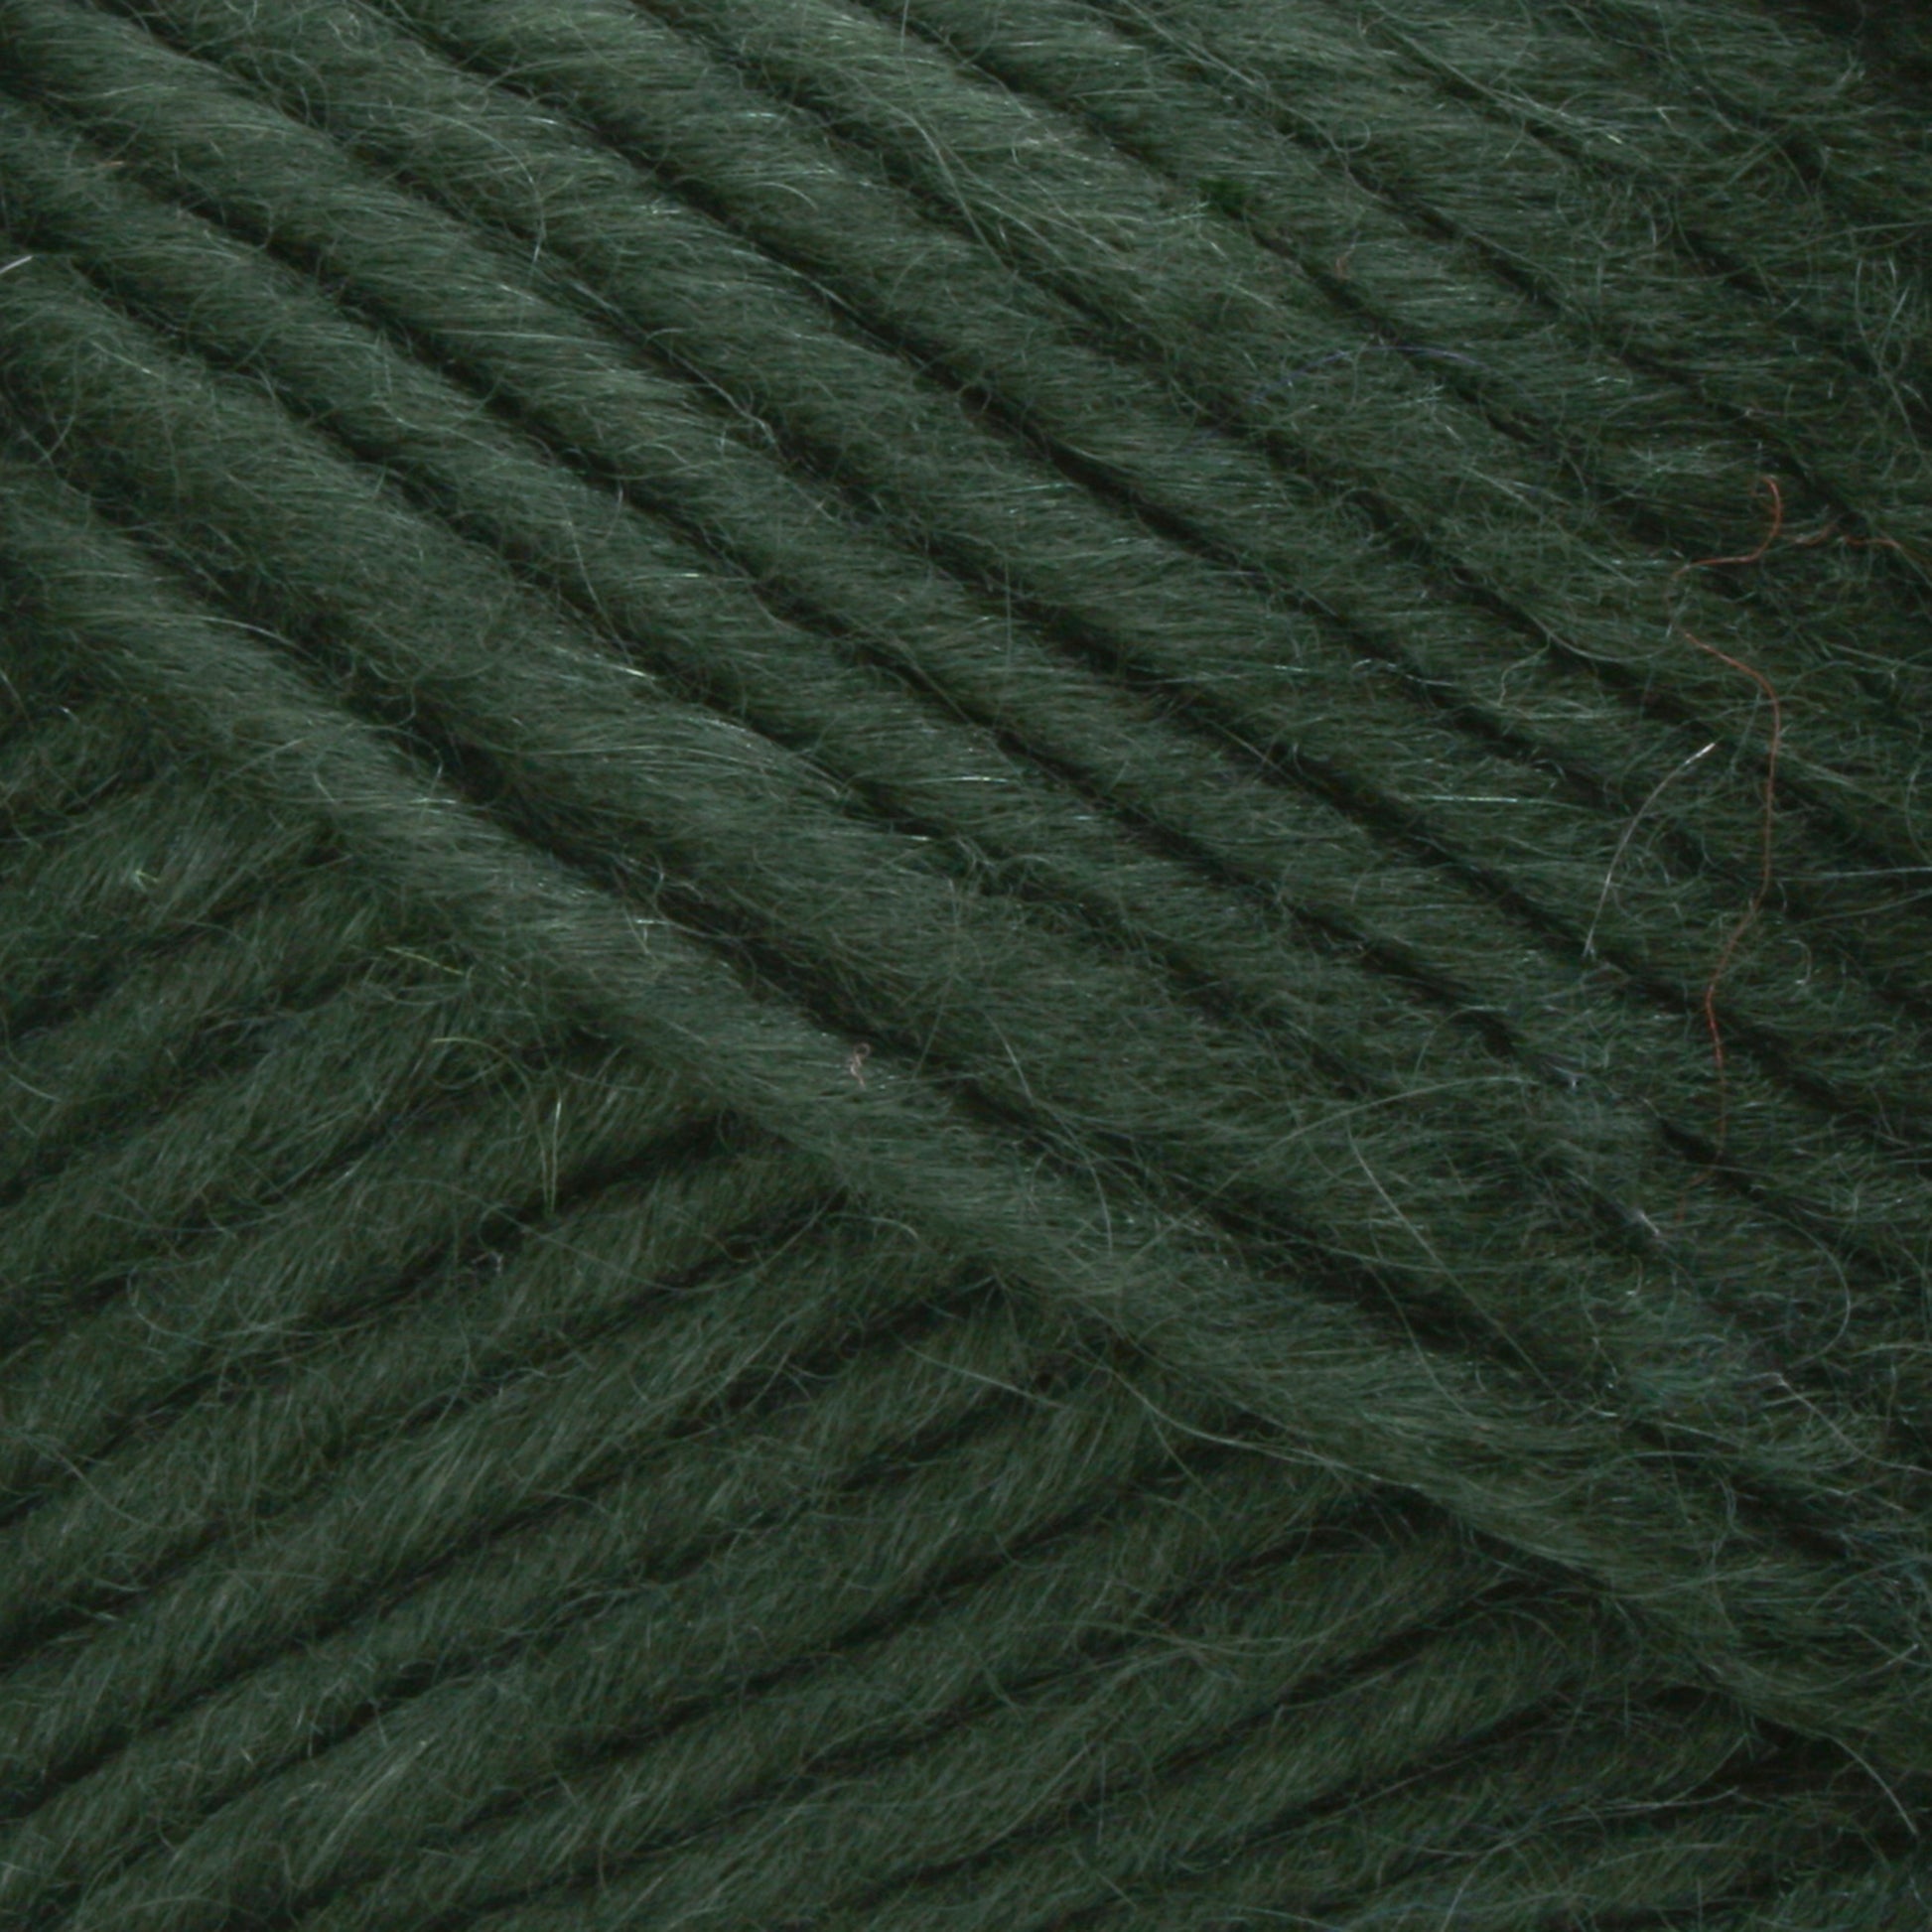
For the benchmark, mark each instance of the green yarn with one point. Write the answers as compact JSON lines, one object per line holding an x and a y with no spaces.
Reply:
{"x":964,"y":965}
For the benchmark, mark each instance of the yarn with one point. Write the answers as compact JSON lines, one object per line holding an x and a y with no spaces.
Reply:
{"x":964,"y":965}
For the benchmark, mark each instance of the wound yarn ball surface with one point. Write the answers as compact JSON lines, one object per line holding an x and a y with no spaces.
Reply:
{"x":965,"y":966}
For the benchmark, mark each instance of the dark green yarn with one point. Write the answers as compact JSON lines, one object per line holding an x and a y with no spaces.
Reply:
{"x":1580,"y":921}
{"x":1316,"y":1358}
{"x":868,"y":903}
{"x":1190,"y":1055}
{"x":1513,"y":775}
{"x":1347,"y":1853}
{"x":1382,"y":1024}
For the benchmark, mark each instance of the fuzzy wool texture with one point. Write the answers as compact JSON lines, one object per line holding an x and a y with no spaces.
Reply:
{"x":965,"y":966}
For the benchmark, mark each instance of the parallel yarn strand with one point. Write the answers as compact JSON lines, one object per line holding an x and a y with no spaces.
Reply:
{"x":965,"y":966}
